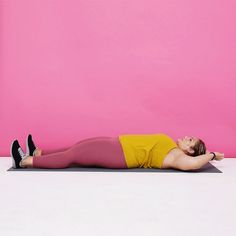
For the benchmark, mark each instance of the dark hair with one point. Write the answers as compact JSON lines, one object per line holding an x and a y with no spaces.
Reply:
{"x":199,"y":148}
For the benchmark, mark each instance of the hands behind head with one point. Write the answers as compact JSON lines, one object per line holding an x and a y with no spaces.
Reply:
{"x":219,"y":155}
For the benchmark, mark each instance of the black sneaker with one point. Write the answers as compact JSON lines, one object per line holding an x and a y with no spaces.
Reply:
{"x":17,"y":154}
{"x":30,"y":146}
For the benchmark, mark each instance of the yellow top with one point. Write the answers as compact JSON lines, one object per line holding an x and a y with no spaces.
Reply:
{"x":146,"y":150}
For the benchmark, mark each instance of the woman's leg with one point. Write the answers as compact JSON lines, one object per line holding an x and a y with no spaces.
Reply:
{"x":40,"y":152}
{"x":100,"y":151}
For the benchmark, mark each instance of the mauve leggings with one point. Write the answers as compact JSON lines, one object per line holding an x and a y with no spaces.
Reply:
{"x":102,"y":151}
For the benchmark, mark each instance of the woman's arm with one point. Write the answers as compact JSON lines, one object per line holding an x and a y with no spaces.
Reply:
{"x":203,"y":159}
{"x":185,"y":162}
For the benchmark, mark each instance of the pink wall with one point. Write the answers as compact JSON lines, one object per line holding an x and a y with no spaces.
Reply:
{"x":77,"y":69}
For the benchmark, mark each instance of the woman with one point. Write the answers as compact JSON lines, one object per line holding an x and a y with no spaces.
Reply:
{"x":125,"y":151}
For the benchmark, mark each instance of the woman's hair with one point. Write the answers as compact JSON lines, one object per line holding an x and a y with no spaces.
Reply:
{"x":199,"y":148}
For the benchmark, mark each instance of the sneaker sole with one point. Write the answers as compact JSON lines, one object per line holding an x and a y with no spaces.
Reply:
{"x":13,"y":161}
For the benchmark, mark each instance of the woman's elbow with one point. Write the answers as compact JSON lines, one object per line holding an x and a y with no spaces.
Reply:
{"x":192,"y":166}
{"x":186,"y":163}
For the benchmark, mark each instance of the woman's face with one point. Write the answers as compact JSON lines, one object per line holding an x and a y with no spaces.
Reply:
{"x":186,"y":143}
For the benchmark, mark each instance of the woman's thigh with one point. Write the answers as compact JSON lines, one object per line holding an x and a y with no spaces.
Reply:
{"x":100,"y":151}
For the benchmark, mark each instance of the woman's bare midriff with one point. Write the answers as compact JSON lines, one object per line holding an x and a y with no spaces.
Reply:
{"x":170,"y":157}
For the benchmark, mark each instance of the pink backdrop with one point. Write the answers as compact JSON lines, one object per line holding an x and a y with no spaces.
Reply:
{"x":77,"y":69}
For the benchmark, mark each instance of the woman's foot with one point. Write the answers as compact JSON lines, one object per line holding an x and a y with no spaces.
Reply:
{"x":17,"y":154}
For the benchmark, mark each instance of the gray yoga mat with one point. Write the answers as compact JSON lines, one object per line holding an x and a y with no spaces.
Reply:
{"x":208,"y":168}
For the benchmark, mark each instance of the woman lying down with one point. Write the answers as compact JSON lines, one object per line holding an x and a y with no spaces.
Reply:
{"x":124,"y":151}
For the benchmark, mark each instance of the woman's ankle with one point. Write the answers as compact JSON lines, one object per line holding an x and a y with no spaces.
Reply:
{"x":22,"y":164}
{"x":27,"y":162}
{"x":37,"y":152}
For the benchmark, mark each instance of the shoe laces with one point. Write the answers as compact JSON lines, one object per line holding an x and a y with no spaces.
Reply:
{"x":21,"y":152}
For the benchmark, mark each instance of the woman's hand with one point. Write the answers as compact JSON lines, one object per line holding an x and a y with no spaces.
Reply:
{"x":219,"y":156}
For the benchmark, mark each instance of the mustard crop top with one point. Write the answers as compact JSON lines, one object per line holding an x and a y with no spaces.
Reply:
{"x":146,"y":150}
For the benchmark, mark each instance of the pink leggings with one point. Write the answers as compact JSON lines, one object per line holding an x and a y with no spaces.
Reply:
{"x":104,"y":152}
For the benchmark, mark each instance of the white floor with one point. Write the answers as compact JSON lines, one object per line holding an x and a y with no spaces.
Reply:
{"x":106,"y":203}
